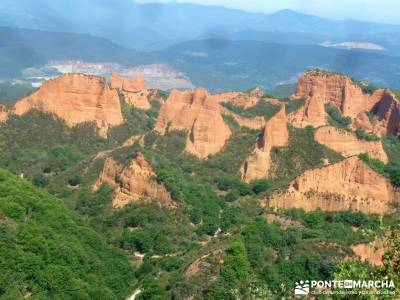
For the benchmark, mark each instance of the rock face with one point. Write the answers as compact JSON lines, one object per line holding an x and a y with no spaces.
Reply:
{"x":348,"y":144}
{"x":199,"y":114}
{"x":133,"y":182}
{"x":76,"y":98}
{"x":387,"y":112}
{"x":338,"y":90}
{"x":346,"y":185}
{"x":252,"y":123}
{"x":370,"y":253}
{"x":245,"y":100}
{"x":275,"y":134}
{"x":312,"y":113}
{"x":3,"y":113}
{"x":134,"y":91}
{"x":319,"y":88}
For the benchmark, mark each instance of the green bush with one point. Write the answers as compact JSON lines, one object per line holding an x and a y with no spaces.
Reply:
{"x":48,"y":250}
{"x":336,"y":118}
{"x":362,"y":135}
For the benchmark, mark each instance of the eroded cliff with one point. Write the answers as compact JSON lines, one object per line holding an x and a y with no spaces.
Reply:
{"x":133,"y":182}
{"x":275,"y":134}
{"x":195,"y":112}
{"x":76,"y":98}
{"x":134,"y":91}
{"x":348,"y":144}
{"x":346,"y":185}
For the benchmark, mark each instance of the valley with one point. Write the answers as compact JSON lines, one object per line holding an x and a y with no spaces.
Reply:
{"x":205,"y":192}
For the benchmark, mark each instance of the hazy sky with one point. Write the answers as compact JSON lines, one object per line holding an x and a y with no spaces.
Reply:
{"x":387,"y":11}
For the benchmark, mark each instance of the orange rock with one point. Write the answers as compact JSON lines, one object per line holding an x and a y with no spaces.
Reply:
{"x":336,"y":89}
{"x":348,"y":144}
{"x":319,"y":88}
{"x":134,"y":91}
{"x":135,"y":84}
{"x":387,"y":112}
{"x":238,"y":98}
{"x":3,"y":113}
{"x":371,"y":253}
{"x":346,"y":185}
{"x":133,"y":182}
{"x":252,"y":123}
{"x":197,"y":113}
{"x":275,"y":135}
{"x":76,"y":98}
{"x":362,"y":121}
{"x":312,"y":113}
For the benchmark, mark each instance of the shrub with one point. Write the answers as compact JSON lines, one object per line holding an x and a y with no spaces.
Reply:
{"x":336,"y":117}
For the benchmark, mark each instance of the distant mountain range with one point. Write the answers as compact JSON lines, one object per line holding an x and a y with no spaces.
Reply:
{"x":214,"y":63}
{"x":154,"y":26}
{"x":215,"y":47}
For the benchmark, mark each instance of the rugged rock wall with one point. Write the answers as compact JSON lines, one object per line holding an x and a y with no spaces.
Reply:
{"x":319,"y":88}
{"x":133,"y":182}
{"x":197,"y":113}
{"x":387,"y":112}
{"x":336,"y":89}
{"x":312,"y":113}
{"x":76,"y":98}
{"x":275,"y":134}
{"x":134,"y":91}
{"x":346,"y":185}
{"x":348,"y":144}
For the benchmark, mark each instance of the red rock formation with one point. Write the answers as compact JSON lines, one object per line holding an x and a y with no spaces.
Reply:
{"x":348,"y":144}
{"x":346,"y":185}
{"x":336,"y":89}
{"x":76,"y":98}
{"x":275,"y":135}
{"x":387,"y":112}
{"x":133,"y":182}
{"x":3,"y":113}
{"x":238,"y":98}
{"x":135,"y":84}
{"x":312,"y":113}
{"x":319,"y":88}
{"x":134,"y":91}
{"x":198,"y":114}
{"x":252,"y":123}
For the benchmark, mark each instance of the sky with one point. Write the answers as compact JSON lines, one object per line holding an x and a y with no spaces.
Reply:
{"x":384,"y":11}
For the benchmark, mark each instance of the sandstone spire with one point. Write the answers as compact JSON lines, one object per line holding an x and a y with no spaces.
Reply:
{"x":275,"y":134}
{"x":133,"y":182}
{"x":198,"y":114}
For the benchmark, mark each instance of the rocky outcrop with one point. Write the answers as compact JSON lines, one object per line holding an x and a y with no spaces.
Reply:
{"x":135,"y":84}
{"x":3,"y":113}
{"x":245,"y":100}
{"x":371,"y":253}
{"x":387,"y":112}
{"x":252,"y":123}
{"x":336,"y":89}
{"x":346,"y":185}
{"x":312,"y":113}
{"x":275,"y":134}
{"x":134,"y":91}
{"x":133,"y":182}
{"x":348,"y":144}
{"x":198,"y":114}
{"x":76,"y":98}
